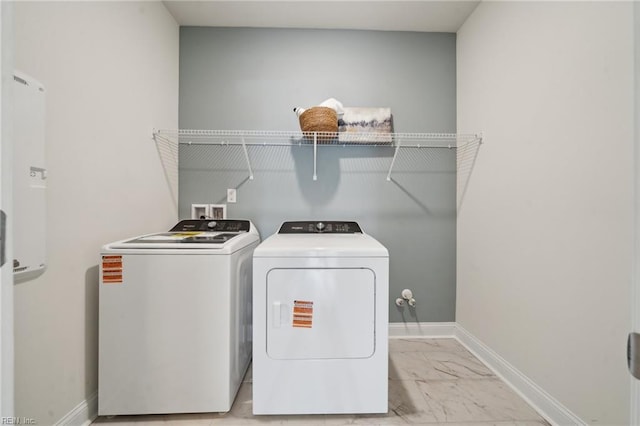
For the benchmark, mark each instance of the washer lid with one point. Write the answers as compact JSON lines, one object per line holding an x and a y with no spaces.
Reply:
{"x":225,"y":236}
{"x":183,"y":238}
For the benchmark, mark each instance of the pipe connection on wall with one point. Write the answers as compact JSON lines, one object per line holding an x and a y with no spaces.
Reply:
{"x":407,"y":297}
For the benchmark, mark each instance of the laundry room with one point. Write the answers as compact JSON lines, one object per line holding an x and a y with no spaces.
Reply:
{"x":522,"y":250}
{"x":262,"y":74}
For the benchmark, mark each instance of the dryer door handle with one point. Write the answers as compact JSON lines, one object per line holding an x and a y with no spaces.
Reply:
{"x":279,"y":313}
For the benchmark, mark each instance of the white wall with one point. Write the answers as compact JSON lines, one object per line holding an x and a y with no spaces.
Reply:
{"x":351,"y":181}
{"x":545,"y":229}
{"x":111,"y":74}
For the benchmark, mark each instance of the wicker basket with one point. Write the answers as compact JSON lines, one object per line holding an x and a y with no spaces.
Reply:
{"x":319,"y":119}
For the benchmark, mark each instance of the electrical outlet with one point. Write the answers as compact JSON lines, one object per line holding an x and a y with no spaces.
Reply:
{"x":231,"y":195}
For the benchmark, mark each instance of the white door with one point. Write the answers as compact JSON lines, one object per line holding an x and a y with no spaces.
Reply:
{"x":635,"y":311}
{"x":317,"y":313}
{"x":6,"y":193}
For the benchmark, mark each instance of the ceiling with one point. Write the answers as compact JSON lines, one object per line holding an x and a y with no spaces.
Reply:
{"x":394,"y":15}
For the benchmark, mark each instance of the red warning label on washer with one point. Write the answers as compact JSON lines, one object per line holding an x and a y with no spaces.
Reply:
{"x":302,"y":313}
{"x":111,"y":269}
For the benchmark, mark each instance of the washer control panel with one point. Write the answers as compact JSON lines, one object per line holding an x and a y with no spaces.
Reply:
{"x":320,"y":227}
{"x":209,"y":225}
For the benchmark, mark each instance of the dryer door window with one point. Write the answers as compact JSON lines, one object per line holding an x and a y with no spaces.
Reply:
{"x":319,"y":313}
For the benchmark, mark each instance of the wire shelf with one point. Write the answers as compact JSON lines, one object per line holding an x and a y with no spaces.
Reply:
{"x":286,"y":138}
{"x":315,"y":140}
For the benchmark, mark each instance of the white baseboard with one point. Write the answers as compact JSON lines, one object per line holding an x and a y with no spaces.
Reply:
{"x":548,"y":407}
{"x":83,"y":414}
{"x":422,"y":329}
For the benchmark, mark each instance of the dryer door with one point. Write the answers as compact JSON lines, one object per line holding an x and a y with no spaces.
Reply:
{"x":319,"y":313}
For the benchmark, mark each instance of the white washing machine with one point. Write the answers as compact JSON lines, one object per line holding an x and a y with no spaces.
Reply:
{"x":175,"y":319}
{"x":320,"y":321}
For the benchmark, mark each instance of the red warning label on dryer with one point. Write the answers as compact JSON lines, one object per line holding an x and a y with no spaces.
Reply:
{"x":302,"y":313}
{"x":111,"y":269}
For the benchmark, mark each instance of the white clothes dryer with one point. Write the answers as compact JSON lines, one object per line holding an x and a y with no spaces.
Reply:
{"x":320,"y":321}
{"x":175,"y":319}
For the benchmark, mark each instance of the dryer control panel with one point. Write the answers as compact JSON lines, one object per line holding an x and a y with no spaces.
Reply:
{"x":320,"y":227}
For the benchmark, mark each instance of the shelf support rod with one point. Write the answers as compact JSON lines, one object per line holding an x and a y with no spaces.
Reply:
{"x":246,"y":157}
{"x":395,"y":154}
{"x":315,"y":155}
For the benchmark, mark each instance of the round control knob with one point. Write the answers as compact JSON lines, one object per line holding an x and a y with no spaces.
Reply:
{"x":320,"y":226}
{"x":212,"y":224}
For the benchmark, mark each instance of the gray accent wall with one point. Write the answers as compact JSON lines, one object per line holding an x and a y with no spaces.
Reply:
{"x":250,"y":79}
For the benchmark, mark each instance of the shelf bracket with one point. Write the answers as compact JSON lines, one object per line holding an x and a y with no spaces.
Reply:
{"x":315,"y":155}
{"x":246,"y":157}
{"x":395,"y":154}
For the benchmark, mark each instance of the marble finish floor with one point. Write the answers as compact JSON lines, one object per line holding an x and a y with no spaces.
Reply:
{"x":431,"y":382}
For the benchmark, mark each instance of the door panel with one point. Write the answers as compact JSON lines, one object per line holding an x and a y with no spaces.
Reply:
{"x":320,"y":313}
